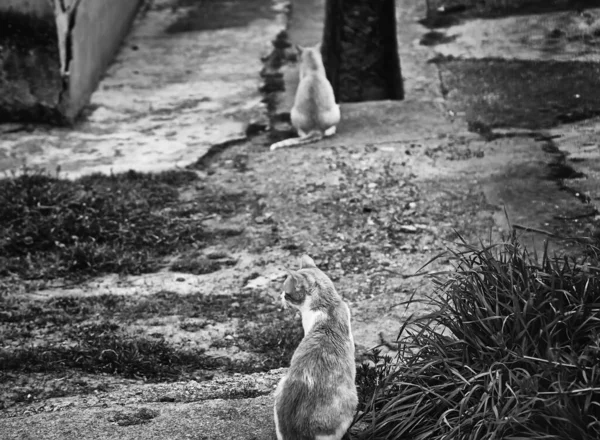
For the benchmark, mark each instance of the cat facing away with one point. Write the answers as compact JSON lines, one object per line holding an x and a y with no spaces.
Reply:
{"x":317,"y":398}
{"x":315,"y":113}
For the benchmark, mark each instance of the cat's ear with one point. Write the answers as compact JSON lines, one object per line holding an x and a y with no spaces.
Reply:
{"x":319,"y":47}
{"x":307,"y":262}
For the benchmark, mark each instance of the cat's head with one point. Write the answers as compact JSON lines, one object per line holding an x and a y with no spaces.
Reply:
{"x":310,"y":58}
{"x":308,"y":287}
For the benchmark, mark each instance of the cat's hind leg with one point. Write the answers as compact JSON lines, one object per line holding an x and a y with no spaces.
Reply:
{"x":277,"y":431}
{"x":341,"y":433}
{"x":278,"y":390}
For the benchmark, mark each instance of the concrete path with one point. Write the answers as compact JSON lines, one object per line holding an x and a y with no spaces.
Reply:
{"x":189,"y":410}
{"x":184,"y":80}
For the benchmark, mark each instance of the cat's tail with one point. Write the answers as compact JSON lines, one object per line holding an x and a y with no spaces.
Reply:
{"x":311,"y":137}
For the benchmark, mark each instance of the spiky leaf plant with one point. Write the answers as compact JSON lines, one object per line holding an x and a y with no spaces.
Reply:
{"x":512,"y":353}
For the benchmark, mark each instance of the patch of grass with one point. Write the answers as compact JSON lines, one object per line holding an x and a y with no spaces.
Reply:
{"x":120,"y":223}
{"x":219,"y":308}
{"x":63,"y":311}
{"x":103,"y":349}
{"x":524,"y":95}
{"x":513,"y":353}
{"x":275,"y":336}
{"x":67,"y":311}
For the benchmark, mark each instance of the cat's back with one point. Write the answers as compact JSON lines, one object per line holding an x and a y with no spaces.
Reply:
{"x":315,"y":106}
{"x":315,"y":92}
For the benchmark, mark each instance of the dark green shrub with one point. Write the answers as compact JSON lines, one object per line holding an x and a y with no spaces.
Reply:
{"x":512,"y":353}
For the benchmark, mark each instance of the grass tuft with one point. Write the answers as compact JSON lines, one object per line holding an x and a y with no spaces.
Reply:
{"x":513,"y":352}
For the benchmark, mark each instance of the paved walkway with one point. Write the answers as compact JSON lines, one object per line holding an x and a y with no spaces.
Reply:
{"x":183,"y":81}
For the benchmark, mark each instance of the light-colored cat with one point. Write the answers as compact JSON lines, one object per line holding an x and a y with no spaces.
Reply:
{"x":317,"y":398}
{"x":315,"y":113}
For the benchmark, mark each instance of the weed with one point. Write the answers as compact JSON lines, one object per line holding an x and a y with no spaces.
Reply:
{"x":370,"y":375}
{"x":513,"y":352}
{"x":90,"y":335}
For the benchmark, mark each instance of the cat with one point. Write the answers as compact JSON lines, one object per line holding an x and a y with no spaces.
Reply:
{"x":315,"y":113}
{"x":317,"y":398}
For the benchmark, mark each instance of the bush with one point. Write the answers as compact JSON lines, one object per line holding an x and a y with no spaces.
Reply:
{"x":512,"y":353}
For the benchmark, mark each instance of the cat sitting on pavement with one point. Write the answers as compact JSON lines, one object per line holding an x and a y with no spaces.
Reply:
{"x":317,"y":398}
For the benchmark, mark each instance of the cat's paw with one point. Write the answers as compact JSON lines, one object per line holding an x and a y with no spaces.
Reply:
{"x":330,"y":131}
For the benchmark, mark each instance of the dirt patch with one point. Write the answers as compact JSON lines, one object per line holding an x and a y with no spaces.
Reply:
{"x":73,"y":337}
{"x":520,"y":94}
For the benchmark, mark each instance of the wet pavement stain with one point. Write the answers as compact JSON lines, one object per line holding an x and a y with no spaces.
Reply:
{"x":523,"y":94}
{"x":204,"y":15}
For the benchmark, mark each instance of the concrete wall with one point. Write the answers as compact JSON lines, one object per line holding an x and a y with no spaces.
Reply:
{"x":100,"y":27}
{"x":32,"y":86}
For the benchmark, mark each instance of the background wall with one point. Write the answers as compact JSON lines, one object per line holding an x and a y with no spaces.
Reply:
{"x":32,"y":88}
{"x":100,"y":27}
